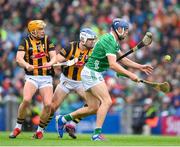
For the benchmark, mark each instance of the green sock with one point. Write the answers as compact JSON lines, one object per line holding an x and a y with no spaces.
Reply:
{"x":68,"y":117}
{"x":97,"y":131}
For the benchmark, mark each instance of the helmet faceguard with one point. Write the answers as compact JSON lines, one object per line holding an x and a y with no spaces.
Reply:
{"x":35,"y":25}
{"x":87,"y":33}
{"x":119,"y":23}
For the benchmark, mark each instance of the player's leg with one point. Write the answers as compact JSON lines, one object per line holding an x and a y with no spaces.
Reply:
{"x":97,"y":96}
{"x":58,"y":97}
{"x":60,"y":93}
{"x":29,"y":90}
{"x":47,"y":94}
{"x":93,"y":104}
{"x":46,"y":91}
{"x":95,"y":86}
{"x":100,"y":91}
{"x":71,"y":126}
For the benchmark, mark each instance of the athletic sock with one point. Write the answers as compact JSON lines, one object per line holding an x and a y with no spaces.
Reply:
{"x":19,"y":126}
{"x":40,"y":129}
{"x":41,"y":126}
{"x":19,"y":123}
{"x":49,"y":119}
{"x":77,"y":120}
{"x":97,"y":131}
{"x":66,"y":118}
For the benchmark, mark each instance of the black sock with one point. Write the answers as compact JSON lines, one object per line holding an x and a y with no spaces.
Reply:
{"x":42,"y":124}
{"x":77,"y":120}
{"x":49,"y":119}
{"x":20,"y":121}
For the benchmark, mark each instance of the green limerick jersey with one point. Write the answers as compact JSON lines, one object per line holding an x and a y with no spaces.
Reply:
{"x":98,"y":61}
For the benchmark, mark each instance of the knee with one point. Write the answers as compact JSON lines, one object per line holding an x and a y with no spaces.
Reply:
{"x":93,"y":109}
{"x":110,"y":102}
{"x":107,"y":103}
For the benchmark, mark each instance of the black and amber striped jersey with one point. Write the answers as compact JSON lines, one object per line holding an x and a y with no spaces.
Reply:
{"x":32,"y":48}
{"x":70,"y":52}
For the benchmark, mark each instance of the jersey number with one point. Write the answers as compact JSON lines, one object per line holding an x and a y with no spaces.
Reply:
{"x":96,"y":63}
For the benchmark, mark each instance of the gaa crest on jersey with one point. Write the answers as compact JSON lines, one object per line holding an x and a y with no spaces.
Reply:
{"x":38,"y":47}
{"x":86,"y":58}
{"x":80,"y":56}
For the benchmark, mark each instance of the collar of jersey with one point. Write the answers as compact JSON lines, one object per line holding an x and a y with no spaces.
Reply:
{"x":113,"y":36}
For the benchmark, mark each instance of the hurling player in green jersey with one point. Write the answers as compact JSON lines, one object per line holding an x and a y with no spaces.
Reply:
{"x":104,"y":57}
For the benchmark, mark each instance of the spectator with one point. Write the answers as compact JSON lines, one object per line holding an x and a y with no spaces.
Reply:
{"x":166,"y":108}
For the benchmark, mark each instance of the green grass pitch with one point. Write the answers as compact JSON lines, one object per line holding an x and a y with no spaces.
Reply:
{"x":51,"y":139}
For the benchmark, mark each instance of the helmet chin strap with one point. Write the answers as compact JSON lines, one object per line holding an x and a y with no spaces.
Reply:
{"x":119,"y":35}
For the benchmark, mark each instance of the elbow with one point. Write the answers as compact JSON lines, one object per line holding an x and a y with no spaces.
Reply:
{"x":17,"y":60}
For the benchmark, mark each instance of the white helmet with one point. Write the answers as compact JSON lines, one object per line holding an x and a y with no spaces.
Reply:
{"x":87,"y":33}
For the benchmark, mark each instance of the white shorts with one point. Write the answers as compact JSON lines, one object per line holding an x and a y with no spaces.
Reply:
{"x":39,"y":81}
{"x":90,"y":77}
{"x":67,"y":84}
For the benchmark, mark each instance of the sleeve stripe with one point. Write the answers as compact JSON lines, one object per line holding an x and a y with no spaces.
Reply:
{"x":110,"y":54}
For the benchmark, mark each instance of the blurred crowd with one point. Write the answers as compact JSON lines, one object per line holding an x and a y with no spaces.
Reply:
{"x":64,"y":20}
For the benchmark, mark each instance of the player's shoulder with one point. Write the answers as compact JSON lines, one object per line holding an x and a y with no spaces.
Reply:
{"x":107,"y":36}
{"x":46,"y":39}
{"x":69,"y":45}
{"x":22,"y":44}
{"x":24,"y":40}
{"x":66,"y":49}
{"x":74,"y":43}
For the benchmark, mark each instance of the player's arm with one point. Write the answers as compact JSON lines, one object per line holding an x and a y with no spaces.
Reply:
{"x":145,"y":68}
{"x":20,"y":57}
{"x":52,"y":57}
{"x":52,"y":52}
{"x":129,"y":62}
{"x":63,"y":53}
{"x":60,"y":58}
{"x":119,"y":69}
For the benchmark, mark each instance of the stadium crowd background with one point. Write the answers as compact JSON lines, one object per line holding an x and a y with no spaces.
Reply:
{"x":64,"y":19}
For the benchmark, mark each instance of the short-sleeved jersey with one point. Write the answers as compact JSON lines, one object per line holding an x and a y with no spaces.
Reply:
{"x":106,"y":45}
{"x":70,"y":52}
{"x":32,"y":47}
